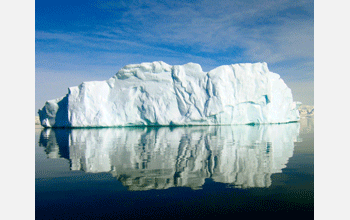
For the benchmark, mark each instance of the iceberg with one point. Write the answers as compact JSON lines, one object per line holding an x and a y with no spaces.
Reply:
{"x":158,"y":94}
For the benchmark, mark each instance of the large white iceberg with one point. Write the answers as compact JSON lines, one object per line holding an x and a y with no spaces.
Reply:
{"x":159,"y":94}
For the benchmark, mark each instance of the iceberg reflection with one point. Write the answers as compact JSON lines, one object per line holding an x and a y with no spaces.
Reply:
{"x":158,"y":158}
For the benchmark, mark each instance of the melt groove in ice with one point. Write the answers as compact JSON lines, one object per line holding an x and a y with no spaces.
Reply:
{"x":151,"y":94}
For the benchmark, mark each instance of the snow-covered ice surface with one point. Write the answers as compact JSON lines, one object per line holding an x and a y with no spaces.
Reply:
{"x":156,"y":93}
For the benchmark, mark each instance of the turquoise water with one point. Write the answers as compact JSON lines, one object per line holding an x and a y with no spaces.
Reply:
{"x":196,"y":172}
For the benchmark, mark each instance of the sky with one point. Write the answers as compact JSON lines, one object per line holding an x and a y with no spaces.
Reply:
{"x":77,"y":41}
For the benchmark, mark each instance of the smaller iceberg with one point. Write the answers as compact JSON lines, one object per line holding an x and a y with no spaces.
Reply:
{"x":153,"y":94}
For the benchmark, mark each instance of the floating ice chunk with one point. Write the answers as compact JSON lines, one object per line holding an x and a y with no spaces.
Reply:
{"x":159,"y":94}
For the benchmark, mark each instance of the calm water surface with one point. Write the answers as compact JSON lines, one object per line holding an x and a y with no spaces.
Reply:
{"x":164,"y":173}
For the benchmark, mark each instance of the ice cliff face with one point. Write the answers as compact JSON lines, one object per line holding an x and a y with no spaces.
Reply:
{"x":159,"y":94}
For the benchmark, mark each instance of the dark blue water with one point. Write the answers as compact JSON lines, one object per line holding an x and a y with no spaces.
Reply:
{"x":175,"y":173}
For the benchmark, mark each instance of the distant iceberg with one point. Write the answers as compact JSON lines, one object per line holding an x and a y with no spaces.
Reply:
{"x":152,"y":94}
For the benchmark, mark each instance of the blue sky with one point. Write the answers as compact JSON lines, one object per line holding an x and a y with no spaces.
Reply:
{"x":78,"y":41}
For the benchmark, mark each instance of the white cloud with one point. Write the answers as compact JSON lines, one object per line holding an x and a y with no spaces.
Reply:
{"x":292,"y":40}
{"x":256,"y":28}
{"x":211,"y":25}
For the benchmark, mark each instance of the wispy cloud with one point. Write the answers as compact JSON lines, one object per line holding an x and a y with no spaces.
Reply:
{"x":270,"y":31}
{"x":103,"y":46}
{"x":215,"y":26}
